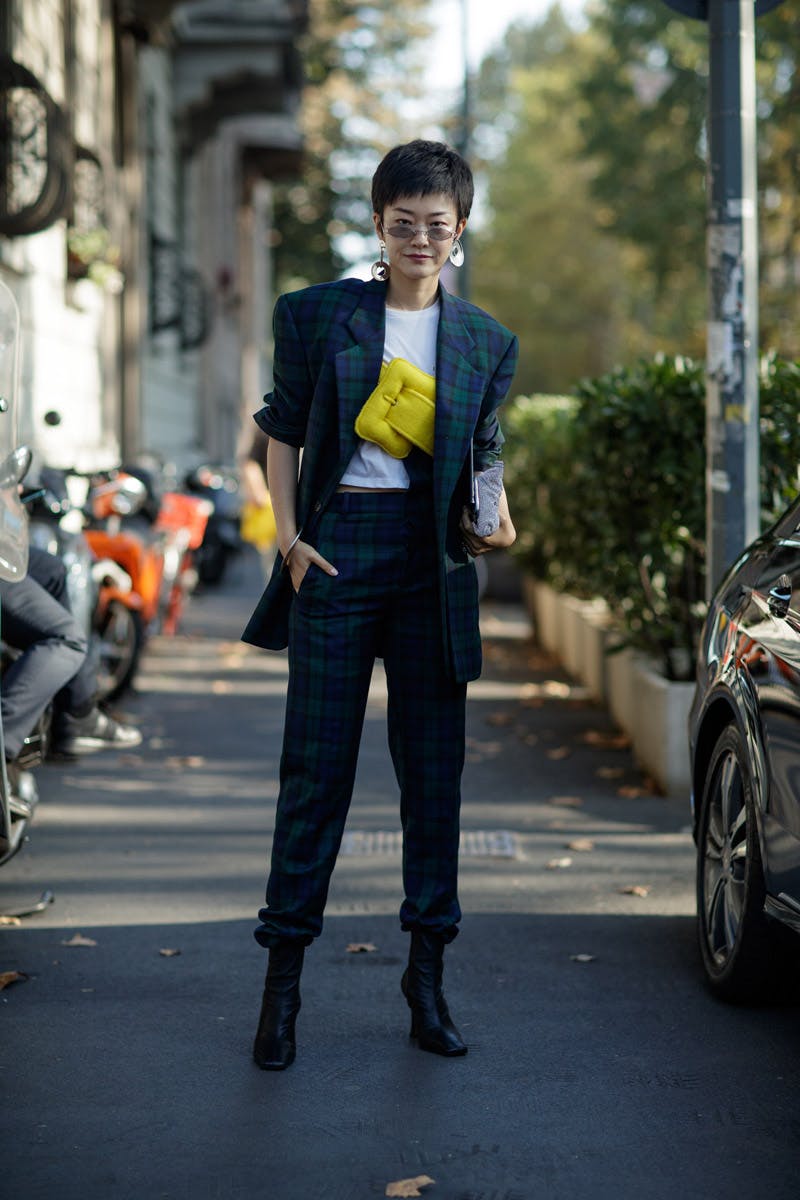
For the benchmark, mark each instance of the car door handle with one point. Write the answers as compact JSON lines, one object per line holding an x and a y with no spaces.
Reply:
{"x":780,"y":597}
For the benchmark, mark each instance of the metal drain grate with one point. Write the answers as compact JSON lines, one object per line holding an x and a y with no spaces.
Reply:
{"x":475,"y":843}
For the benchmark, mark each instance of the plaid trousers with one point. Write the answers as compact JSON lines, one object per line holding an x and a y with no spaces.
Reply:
{"x":383,"y":603}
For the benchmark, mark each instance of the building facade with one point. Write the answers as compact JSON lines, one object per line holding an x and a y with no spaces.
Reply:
{"x":140,"y":141}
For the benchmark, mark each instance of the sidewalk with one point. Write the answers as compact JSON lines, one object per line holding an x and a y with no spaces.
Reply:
{"x":127,"y":1070}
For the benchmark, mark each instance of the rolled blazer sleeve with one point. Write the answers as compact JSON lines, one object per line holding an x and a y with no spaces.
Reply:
{"x":488,"y":438}
{"x":285,"y":412}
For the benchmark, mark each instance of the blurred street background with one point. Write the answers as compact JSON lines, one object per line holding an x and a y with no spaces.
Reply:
{"x":168,"y":169}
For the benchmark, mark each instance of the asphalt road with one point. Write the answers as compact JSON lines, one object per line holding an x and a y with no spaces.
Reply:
{"x":126,"y":1071}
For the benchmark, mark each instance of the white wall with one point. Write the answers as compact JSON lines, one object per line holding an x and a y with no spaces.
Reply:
{"x":168,"y":423}
{"x":65,"y":326}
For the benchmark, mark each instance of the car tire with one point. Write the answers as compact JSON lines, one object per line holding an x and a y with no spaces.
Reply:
{"x":739,"y":944}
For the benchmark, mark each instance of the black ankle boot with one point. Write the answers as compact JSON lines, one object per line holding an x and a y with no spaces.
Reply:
{"x":274,"y":1047}
{"x":431,"y":1023}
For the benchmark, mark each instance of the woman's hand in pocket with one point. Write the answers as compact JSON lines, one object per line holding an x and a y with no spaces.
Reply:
{"x":301,"y":558}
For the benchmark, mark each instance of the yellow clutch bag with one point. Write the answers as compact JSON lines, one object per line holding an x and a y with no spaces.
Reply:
{"x":258,"y":525}
{"x":400,"y":412}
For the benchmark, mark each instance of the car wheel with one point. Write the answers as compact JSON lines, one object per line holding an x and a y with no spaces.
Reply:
{"x":737,"y":941}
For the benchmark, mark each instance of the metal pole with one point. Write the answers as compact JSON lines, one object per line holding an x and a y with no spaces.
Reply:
{"x":732,"y":484}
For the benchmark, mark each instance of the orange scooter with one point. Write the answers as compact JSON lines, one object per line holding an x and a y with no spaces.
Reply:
{"x":182,"y":519}
{"x":130,"y":583}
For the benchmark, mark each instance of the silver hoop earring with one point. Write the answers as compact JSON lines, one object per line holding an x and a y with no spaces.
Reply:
{"x":380,"y":269}
{"x":457,"y":254}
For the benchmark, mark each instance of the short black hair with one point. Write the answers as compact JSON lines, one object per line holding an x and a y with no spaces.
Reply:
{"x":421,"y":168}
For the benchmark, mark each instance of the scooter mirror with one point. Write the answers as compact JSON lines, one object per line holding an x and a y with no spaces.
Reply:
{"x":129,"y":496}
{"x":15,"y":466}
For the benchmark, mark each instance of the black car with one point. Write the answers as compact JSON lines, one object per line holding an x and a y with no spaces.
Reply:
{"x":744,"y":733}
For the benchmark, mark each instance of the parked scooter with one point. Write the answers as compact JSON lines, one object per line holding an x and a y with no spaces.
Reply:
{"x":175,"y":523}
{"x":222,"y":539}
{"x":152,"y":535}
{"x":128,"y":596}
{"x":183,"y":520}
{"x":100,"y":591}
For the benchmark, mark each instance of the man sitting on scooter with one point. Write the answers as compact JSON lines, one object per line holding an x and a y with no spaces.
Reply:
{"x":54,"y":665}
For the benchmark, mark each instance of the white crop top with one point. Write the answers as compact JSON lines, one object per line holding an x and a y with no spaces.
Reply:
{"x":410,"y":335}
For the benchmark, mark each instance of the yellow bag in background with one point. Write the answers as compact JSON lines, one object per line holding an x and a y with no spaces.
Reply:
{"x":258,"y":525}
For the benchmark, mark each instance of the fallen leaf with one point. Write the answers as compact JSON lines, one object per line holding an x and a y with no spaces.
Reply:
{"x":408,"y":1187}
{"x":631,"y":792}
{"x":610,"y":772}
{"x":566,"y":801}
{"x":499,"y":718}
{"x":530,"y":739}
{"x":558,"y":752}
{"x":554,"y":687}
{"x":167,"y":952}
{"x":559,"y":864}
{"x":10,"y":921}
{"x":582,"y":958}
{"x":79,"y":940}
{"x":491,"y":748}
{"x":130,"y":760}
{"x":606,"y":741}
{"x":176,"y":761}
{"x":634,"y":889}
{"x":532,"y":702}
{"x":361,"y":948}
{"x":220,"y":687}
{"x":581,"y":844}
{"x":8,"y":977}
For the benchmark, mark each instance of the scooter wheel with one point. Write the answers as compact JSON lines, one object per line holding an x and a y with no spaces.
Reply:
{"x":120,"y":638}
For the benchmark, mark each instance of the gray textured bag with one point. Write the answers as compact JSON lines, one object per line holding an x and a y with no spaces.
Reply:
{"x":487,"y":487}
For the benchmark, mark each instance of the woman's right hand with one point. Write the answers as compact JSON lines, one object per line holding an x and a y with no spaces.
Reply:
{"x":301,"y":558}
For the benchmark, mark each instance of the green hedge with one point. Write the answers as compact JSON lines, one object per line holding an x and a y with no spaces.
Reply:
{"x":607,"y":491}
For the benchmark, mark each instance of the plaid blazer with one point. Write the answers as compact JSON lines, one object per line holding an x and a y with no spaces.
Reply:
{"x":328,"y":353}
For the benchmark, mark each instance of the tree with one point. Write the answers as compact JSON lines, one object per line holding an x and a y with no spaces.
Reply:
{"x":578,"y":295}
{"x":644,"y":124}
{"x":362,"y":66}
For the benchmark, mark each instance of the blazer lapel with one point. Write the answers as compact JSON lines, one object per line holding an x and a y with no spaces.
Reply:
{"x":359,"y":366}
{"x":459,"y":390}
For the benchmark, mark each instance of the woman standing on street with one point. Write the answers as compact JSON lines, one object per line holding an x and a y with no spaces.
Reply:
{"x":392,"y":388}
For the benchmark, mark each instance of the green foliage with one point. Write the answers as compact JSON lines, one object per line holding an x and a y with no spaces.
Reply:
{"x":592,"y":143}
{"x":361,"y":63}
{"x":552,"y":262}
{"x":542,"y":265}
{"x":779,"y":414}
{"x":643,"y":123}
{"x":608,"y":491}
{"x":538,"y":455}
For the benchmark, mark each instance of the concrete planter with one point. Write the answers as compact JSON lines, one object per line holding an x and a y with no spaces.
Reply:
{"x":652,"y":710}
{"x":658,"y":726}
{"x":545,"y":607}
